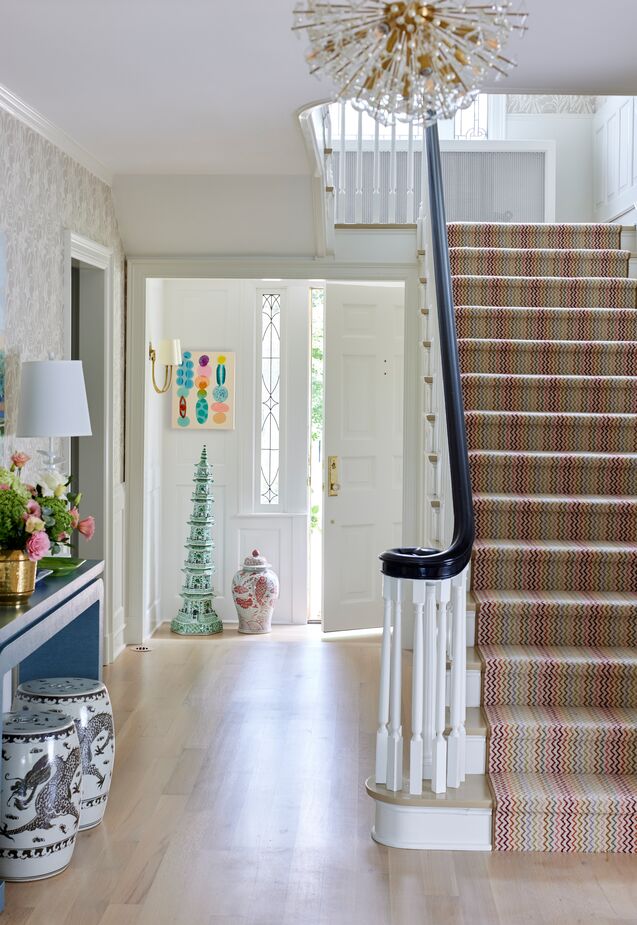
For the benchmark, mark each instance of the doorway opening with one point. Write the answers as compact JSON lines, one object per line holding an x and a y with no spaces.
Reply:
{"x":355,"y":447}
{"x":317,"y":423}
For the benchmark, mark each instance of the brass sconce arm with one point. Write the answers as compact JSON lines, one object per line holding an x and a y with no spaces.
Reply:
{"x":168,"y":372}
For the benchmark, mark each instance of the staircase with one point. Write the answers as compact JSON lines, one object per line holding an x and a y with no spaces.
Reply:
{"x":547,"y":327}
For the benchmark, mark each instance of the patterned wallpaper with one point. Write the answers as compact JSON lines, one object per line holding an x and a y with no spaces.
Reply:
{"x":536,"y":104}
{"x":43,"y":192}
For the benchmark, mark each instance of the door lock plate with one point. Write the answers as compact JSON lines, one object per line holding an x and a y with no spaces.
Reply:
{"x":333,"y":486}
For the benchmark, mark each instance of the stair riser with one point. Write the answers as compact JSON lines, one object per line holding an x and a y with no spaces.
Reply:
{"x":551,"y":569}
{"x":539,"y":624}
{"x":584,"y":685}
{"x":543,"y":394}
{"x":565,"y":833}
{"x":548,"y":359}
{"x":593,"y":435}
{"x":572,"y":476}
{"x":494,"y":234}
{"x":547,"y":323}
{"x":494,"y":262}
{"x":573,"y":293}
{"x":563,"y":749}
{"x":536,"y":520}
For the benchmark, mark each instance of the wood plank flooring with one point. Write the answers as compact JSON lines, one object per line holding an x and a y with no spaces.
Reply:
{"x":238,"y":799}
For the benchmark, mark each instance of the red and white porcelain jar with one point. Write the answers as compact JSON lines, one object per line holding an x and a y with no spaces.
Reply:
{"x":255,"y":590}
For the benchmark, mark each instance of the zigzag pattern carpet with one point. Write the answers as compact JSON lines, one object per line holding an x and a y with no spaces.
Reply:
{"x":547,"y":327}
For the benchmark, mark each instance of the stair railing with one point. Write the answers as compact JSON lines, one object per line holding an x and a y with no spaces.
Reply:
{"x":433,"y":581}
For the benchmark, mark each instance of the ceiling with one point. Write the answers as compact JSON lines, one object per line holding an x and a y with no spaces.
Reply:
{"x":214,"y":86}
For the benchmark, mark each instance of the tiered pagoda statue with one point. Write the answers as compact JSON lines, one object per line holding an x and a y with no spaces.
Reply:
{"x":197,"y":616}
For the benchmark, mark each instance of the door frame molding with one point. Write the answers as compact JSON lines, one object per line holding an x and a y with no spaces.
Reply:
{"x":138,"y":377}
{"x":79,"y":247}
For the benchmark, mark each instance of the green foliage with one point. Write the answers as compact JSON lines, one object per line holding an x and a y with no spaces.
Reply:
{"x":314,"y":517}
{"x":12,"y":508}
{"x":317,"y":396}
{"x":56,"y":516}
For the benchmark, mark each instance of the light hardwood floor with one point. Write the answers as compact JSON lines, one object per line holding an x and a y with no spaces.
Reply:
{"x":238,"y":799}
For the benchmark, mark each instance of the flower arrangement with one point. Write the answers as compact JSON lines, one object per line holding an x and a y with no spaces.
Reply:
{"x":38,"y":519}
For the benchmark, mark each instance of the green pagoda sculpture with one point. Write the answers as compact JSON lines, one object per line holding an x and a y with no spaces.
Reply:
{"x":197,"y":616}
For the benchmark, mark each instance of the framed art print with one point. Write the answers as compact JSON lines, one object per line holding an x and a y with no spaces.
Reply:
{"x":204,"y":391}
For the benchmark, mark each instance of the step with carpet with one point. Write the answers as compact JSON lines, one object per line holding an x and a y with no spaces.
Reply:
{"x":482,"y":261}
{"x":548,"y":357}
{"x":545,"y":291}
{"x":548,"y":517}
{"x":505,"y":234}
{"x":556,"y":618}
{"x":516,"y":392}
{"x":533,"y":431}
{"x":548,"y":473}
{"x":548,"y":323}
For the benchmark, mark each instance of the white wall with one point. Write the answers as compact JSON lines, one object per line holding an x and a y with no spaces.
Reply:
{"x":223,"y":315}
{"x":615,"y":154}
{"x":228,"y":215}
{"x":572,"y":133}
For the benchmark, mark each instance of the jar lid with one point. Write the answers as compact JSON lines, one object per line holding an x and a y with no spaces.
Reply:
{"x":256,"y":560}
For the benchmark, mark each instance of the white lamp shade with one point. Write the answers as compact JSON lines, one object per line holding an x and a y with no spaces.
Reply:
{"x":53,"y":400}
{"x":169,"y":352}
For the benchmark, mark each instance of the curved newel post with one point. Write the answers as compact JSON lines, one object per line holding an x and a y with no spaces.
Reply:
{"x":395,"y":731}
{"x":390,"y":591}
{"x":458,"y":693}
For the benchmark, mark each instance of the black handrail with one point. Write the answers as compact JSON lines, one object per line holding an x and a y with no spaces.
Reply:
{"x":435,"y":564}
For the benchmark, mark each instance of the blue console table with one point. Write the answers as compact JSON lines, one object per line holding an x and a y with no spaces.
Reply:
{"x":57,"y":632}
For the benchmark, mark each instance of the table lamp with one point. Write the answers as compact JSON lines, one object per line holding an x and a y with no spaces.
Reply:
{"x":53,"y":404}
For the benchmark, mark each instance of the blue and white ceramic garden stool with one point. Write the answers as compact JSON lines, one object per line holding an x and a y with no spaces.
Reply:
{"x":41,"y":794}
{"x":87,"y":701}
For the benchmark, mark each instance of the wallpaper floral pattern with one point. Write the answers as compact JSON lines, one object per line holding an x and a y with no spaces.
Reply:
{"x":44,"y":192}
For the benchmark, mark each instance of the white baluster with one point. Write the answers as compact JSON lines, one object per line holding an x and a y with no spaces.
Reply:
{"x":376,"y":190}
{"x":429,"y":700}
{"x":439,"y":759}
{"x":457,"y":741}
{"x":393,"y":180}
{"x":341,"y":202}
{"x":417,"y":681}
{"x":395,"y":743}
{"x":410,"y":215}
{"x":389,"y":595}
{"x":358,"y":190}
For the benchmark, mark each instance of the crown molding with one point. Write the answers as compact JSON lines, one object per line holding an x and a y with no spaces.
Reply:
{"x":53,"y":133}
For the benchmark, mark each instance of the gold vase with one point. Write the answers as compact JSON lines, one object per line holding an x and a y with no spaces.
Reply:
{"x":17,"y":576}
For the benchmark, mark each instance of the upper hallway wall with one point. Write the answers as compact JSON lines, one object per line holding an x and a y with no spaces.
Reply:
{"x":215,"y":215}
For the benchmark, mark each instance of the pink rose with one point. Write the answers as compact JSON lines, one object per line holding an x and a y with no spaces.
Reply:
{"x":75,"y":517}
{"x":34,"y":508}
{"x":38,"y":545}
{"x":19,"y":460}
{"x":63,"y":537}
{"x":4,"y":487}
{"x":87,"y":527}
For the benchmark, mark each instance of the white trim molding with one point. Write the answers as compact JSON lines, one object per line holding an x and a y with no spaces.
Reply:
{"x":78,"y":247}
{"x":39,"y":123}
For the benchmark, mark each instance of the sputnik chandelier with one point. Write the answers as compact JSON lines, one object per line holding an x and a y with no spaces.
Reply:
{"x":411,"y":61}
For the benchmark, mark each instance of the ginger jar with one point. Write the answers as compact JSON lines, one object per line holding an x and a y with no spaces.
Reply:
{"x":255,"y":590}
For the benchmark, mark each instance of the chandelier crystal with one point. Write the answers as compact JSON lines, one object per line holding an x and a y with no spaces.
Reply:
{"x":411,"y":61}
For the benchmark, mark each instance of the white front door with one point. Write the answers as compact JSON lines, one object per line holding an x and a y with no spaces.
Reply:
{"x":364,"y":347}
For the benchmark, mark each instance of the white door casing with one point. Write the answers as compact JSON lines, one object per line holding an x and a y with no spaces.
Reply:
{"x":364,"y":388}
{"x":98,"y":257}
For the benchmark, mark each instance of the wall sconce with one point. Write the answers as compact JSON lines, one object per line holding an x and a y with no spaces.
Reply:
{"x":168,"y":354}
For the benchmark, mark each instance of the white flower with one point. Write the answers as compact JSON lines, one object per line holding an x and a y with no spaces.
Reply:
{"x":53,"y":484}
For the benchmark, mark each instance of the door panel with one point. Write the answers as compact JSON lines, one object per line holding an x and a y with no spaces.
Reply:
{"x":363,"y":429}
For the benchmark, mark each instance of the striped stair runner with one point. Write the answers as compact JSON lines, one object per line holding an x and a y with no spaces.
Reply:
{"x":547,"y":326}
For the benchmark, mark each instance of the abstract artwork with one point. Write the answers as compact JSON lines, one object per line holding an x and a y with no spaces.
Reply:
{"x":3,"y":309}
{"x":204,"y":391}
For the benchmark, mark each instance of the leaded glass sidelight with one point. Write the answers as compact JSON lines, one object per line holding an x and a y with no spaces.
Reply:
{"x":270,"y":396}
